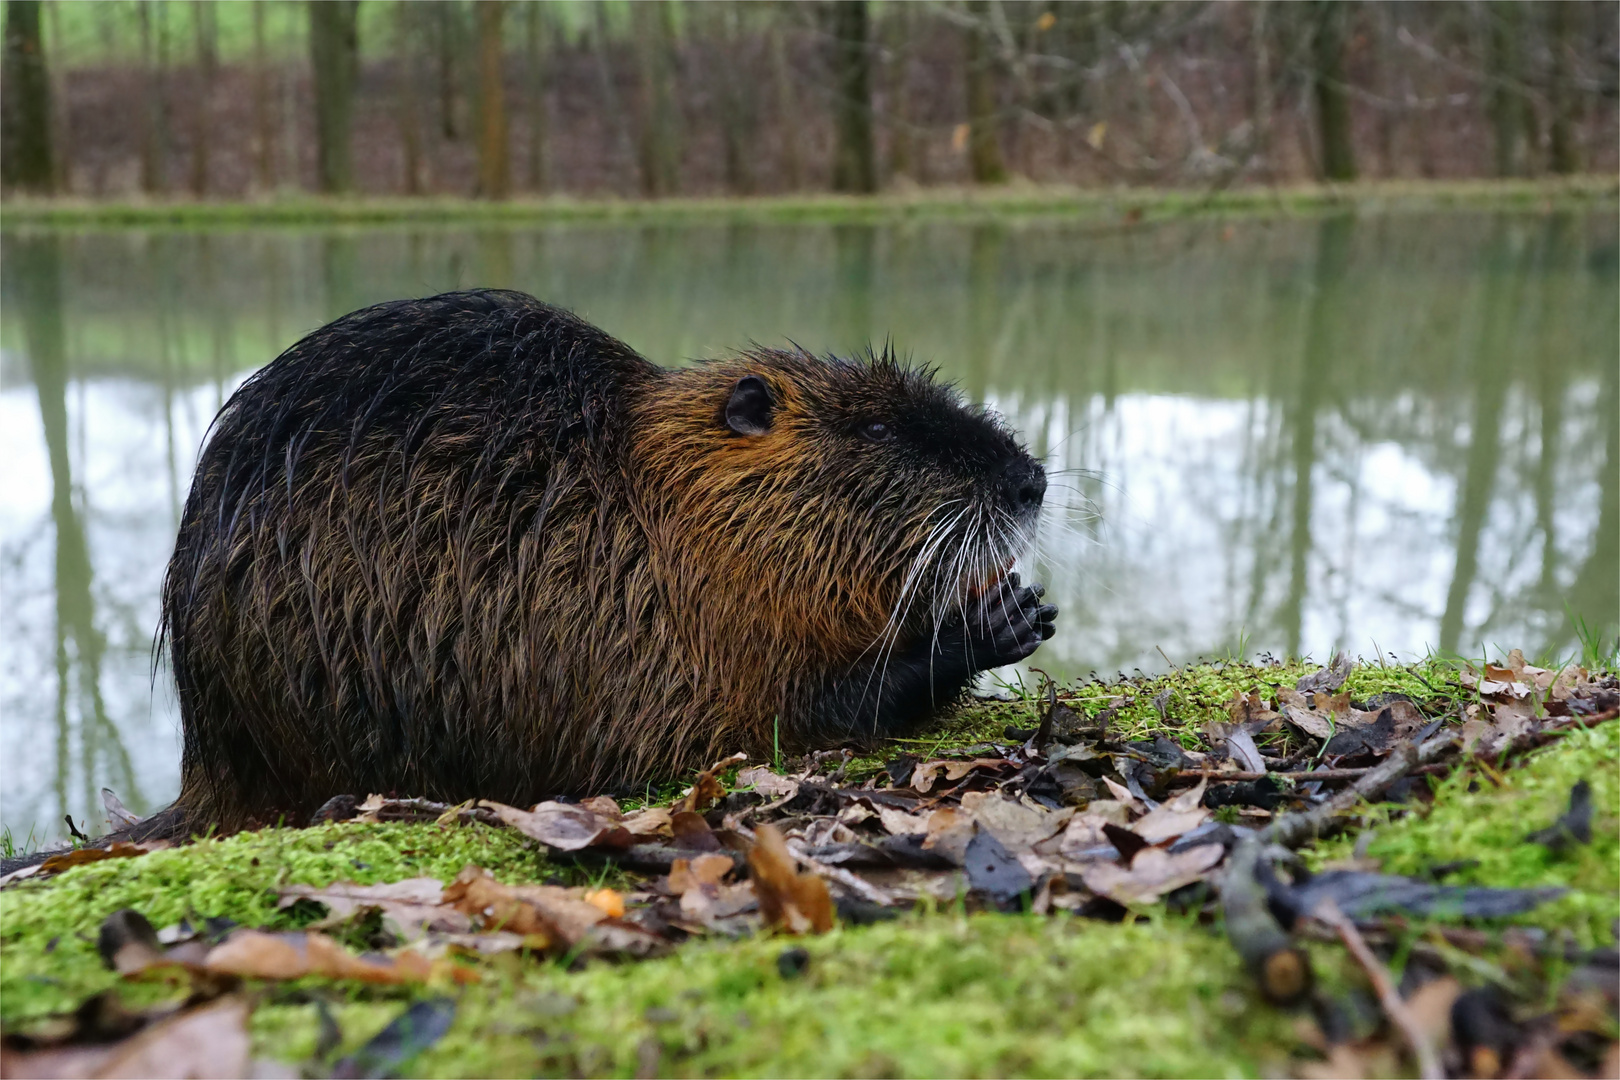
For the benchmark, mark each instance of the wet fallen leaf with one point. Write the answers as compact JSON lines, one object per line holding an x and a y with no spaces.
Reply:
{"x":1151,"y":874}
{"x":994,"y":871}
{"x":413,"y":906}
{"x":564,"y":826}
{"x":791,"y":901}
{"x":1574,"y":826}
{"x":1320,"y":720}
{"x":694,"y":873}
{"x":1360,"y":894}
{"x":407,"y":1035}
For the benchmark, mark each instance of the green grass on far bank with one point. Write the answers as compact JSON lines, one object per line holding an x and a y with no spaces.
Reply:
{"x":1105,"y":206}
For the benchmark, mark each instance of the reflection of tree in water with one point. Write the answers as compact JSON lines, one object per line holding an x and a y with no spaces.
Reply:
{"x":32,"y":267}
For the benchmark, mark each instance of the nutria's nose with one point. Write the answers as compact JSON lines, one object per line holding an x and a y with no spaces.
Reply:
{"x":1025,"y":484}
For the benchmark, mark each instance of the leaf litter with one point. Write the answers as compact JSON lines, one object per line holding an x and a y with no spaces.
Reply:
{"x":1064,"y":819}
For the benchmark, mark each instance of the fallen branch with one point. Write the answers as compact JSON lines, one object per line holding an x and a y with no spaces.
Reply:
{"x":1389,"y":998}
{"x":1292,"y":830}
{"x":1194,"y":775}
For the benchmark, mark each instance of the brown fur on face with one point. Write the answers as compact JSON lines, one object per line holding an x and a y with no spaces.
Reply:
{"x":470,"y":546}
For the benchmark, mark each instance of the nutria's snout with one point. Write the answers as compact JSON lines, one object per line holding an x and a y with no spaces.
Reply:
{"x":1023,"y":484}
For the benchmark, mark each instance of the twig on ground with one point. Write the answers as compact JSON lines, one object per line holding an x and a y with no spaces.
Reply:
{"x":1194,"y":775}
{"x":1292,"y":830}
{"x":853,"y":883}
{"x":1389,"y":998}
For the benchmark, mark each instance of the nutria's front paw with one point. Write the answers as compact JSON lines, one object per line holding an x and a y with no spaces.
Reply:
{"x":1009,"y":623}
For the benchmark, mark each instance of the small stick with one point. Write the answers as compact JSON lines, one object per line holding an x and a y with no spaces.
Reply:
{"x":1428,"y":1061}
{"x":1192,"y":775}
{"x":1292,"y":830}
{"x":833,"y":873}
{"x":850,"y":881}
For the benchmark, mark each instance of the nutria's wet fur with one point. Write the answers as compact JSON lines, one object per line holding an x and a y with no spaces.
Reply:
{"x":472,"y":546}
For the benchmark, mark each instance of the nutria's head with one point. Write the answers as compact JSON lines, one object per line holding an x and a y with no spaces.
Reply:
{"x":834,"y":502}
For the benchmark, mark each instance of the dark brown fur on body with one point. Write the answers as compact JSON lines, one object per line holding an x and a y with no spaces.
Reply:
{"x":471,"y":546}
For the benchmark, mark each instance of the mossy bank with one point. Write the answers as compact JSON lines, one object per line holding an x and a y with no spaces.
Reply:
{"x":935,"y":992}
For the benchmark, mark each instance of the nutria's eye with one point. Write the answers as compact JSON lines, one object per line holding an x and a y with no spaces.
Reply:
{"x":877,"y":431}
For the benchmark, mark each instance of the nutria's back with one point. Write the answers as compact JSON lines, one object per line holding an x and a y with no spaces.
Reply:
{"x":472,"y":546}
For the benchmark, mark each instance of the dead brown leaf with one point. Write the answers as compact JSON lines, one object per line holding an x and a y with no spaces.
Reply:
{"x":1169,"y":820}
{"x":648,"y":821}
{"x":256,"y":954}
{"x":564,"y":826}
{"x":414,"y":906}
{"x":603,"y":806}
{"x":1320,"y":720}
{"x":55,"y":864}
{"x":924,"y":776}
{"x":686,"y":874}
{"x":708,"y":789}
{"x":208,"y":1041}
{"x":1019,"y":827}
{"x":899,"y":822}
{"x":791,"y":901}
{"x":767,"y":783}
{"x":1151,"y":874}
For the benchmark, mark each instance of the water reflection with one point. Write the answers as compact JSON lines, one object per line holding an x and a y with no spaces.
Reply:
{"x":1393,"y":433}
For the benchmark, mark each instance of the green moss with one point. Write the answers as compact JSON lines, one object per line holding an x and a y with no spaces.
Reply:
{"x":1476,"y":820}
{"x":930,"y":995}
{"x":48,"y":929}
{"x":1104,"y":205}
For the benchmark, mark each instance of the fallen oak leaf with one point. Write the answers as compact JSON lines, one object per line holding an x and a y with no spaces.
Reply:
{"x":768,"y":783}
{"x":789,"y":900}
{"x":414,"y":906}
{"x":564,"y":826}
{"x":648,"y":821}
{"x":924,"y":776}
{"x":1170,"y":819}
{"x":1152,"y":873}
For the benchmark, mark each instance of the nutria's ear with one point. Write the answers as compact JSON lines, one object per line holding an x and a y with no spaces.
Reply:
{"x":748,"y":412}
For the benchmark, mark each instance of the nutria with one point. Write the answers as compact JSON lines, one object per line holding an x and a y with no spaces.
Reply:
{"x":473,"y":546}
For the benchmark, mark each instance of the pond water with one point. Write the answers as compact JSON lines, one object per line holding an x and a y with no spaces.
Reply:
{"x":1385,"y":435}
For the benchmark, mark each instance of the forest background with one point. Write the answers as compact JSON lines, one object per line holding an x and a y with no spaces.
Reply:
{"x":129,"y":99}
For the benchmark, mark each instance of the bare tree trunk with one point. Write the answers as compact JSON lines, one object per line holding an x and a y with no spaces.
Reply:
{"x":1563,"y":155}
{"x":659,"y":152}
{"x":787,"y":109}
{"x":25,"y":109}
{"x":737,"y":110}
{"x":1502,"y":99}
{"x":1332,"y":91}
{"x":984,"y":147}
{"x":448,"y":39}
{"x":264,"y":136}
{"x":1391,"y":110}
{"x":536,"y":37}
{"x":204,"y":28}
{"x":855,"y":158}
{"x":405,"y":72}
{"x":1264,"y":93}
{"x":494,"y":151}
{"x":902,"y":144}
{"x":154,"y":111}
{"x":335,"y":56}
{"x":61,"y":136}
